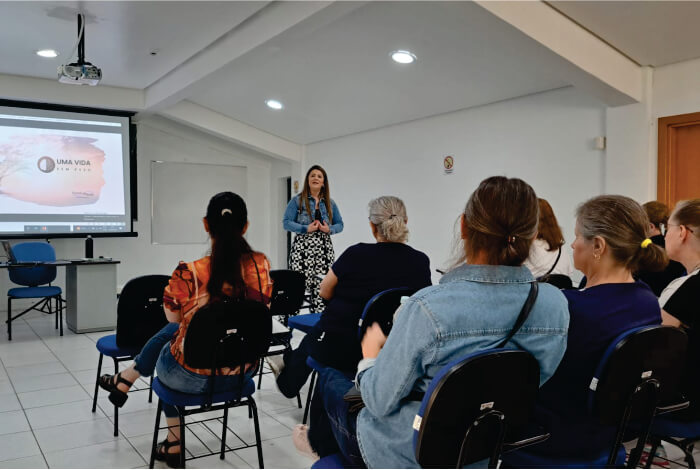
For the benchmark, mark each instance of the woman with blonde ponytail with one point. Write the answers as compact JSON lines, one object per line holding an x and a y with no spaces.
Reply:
{"x":611,"y":243}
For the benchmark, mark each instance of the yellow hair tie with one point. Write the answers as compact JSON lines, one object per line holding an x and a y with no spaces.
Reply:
{"x":646,"y":242}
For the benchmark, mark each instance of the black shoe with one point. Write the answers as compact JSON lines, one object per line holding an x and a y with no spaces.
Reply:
{"x":170,"y":458}
{"x":116,"y":396}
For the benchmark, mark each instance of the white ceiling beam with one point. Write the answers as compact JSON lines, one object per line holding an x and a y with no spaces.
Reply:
{"x":595,"y":65}
{"x":267,"y":23}
{"x":224,"y":127}
{"x":41,"y":90}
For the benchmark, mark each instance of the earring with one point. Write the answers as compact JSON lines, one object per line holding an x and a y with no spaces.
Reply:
{"x":596,"y":256}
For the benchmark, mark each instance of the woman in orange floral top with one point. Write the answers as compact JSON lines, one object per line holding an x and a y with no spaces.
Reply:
{"x":192,"y":286}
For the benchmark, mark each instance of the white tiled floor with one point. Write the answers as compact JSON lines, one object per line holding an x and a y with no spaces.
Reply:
{"x":46,"y":419}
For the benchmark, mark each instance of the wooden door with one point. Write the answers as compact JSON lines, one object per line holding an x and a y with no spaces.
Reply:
{"x":679,"y":158}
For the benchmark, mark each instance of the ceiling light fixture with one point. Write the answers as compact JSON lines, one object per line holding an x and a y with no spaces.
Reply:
{"x":403,"y":57}
{"x":274,"y":104}
{"x":47,"y":53}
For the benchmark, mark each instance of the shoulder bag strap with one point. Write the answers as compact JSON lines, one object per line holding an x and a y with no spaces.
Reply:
{"x":258,"y":273}
{"x":524,"y":313}
{"x":553,"y":266}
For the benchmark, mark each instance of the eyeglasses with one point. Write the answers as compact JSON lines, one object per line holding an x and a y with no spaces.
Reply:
{"x":680,"y":225}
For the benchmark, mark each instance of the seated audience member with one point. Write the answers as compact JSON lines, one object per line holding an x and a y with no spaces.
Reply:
{"x":232,"y":269}
{"x":658,"y":218}
{"x":547,"y":253}
{"x":610,"y":244}
{"x":362,"y":271}
{"x":679,"y":301}
{"x":473,"y":309}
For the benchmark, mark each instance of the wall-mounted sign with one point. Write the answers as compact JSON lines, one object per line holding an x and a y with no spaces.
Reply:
{"x":448,"y":163}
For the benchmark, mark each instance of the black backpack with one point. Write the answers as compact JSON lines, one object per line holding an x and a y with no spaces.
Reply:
{"x":140,"y":312}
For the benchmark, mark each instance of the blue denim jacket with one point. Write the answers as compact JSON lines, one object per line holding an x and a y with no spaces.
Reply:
{"x":472,"y":309}
{"x":297,"y":221}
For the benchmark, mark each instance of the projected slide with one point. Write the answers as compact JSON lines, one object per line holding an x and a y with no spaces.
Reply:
{"x":61,"y":169}
{"x":63,"y":173}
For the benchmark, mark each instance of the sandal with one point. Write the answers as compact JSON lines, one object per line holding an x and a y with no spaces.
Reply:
{"x":116,"y":396}
{"x":170,"y":458}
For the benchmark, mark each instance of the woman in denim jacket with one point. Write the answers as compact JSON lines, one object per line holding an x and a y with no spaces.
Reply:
{"x":313,"y":222}
{"x":472,"y":309}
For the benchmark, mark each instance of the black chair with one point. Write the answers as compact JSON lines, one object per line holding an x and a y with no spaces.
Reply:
{"x":227,"y":334}
{"x":562,"y":281}
{"x":140,"y":315}
{"x":637,"y":377}
{"x":380,"y":309}
{"x":463,"y":420}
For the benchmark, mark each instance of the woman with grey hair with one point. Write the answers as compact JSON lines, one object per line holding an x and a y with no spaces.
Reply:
{"x":363,"y":270}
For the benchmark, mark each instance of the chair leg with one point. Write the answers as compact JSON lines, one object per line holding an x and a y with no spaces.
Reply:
{"x":309,"y":396}
{"x":150,"y":390}
{"x":154,"y":446}
{"x":655,"y":441}
{"x":299,"y":400}
{"x":9,"y":318}
{"x":97,"y":383}
{"x":59,"y":308}
{"x":258,"y":442}
{"x":116,"y":408}
{"x":223,"y":434}
{"x":182,"y":437}
{"x":262,"y":364}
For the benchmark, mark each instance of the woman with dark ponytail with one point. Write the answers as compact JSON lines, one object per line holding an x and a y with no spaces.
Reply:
{"x":313,"y":217}
{"x":611,"y":243}
{"x":232,"y":269}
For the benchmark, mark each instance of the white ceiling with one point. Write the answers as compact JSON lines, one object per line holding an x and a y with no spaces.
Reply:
{"x":332,"y":69}
{"x":652,"y":33}
{"x":119,"y":36}
{"x":337,"y":78}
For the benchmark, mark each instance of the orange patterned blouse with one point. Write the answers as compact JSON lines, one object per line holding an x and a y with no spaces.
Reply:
{"x":186,"y":293}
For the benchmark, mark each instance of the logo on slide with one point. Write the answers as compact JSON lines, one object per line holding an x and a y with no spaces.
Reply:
{"x":46,"y":164}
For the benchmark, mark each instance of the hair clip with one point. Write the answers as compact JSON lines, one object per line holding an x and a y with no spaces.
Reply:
{"x":511,"y":239}
{"x":226,"y":211}
{"x":646,"y":242}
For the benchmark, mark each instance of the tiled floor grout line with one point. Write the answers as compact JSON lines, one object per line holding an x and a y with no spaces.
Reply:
{"x":24,"y":412}
{"x":111,"y":420}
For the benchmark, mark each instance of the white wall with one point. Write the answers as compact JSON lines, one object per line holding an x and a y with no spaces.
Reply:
{"x":547,"y":139}
{"x":165,"y":140}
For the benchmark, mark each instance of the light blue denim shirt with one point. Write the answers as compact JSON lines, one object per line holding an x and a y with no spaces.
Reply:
{"x":297,"y":221}
{"x":472,"y":309}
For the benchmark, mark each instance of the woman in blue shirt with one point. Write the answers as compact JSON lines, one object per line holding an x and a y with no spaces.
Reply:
{"x":313,"y":216}
{"x":611,"y":243}
{"x":473,"y":308}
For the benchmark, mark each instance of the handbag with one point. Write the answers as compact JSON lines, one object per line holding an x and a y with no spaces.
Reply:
{"x":354,"y":397}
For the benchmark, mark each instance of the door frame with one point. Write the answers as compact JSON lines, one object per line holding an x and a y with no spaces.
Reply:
{"x":665,"y":170}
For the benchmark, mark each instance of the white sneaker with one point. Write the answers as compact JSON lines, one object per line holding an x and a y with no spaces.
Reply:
{"x":300,"y":436}
{"x":276,"y":364}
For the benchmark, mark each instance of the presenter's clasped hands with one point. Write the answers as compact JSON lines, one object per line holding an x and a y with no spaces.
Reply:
{"x":373,"y":341}
{"x":323,"y":227}
{"x":313,"y":226}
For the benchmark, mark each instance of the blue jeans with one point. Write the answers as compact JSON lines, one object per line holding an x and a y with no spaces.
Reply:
{"x":332,"y":386}
{"x":145,"y":362}
{"x":176,"y":377}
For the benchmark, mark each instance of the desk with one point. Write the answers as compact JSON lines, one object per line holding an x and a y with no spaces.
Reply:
{"x":91,"y":292}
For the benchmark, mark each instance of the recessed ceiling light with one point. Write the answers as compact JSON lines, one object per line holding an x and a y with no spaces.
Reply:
{"x":403,"y":57}
{"x":274,"y":104}
{"x":48,"y":53}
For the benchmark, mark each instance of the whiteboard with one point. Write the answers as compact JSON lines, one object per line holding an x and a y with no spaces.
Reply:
{"x":180,"y":193}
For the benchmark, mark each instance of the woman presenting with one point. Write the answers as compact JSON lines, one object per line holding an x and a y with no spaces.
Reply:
{"x":314,"y":217}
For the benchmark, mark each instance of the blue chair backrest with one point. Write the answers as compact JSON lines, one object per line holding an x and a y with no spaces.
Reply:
{"x":502,"y":380}
{"x":380,"y":308}
{"x":648,"y":352}
{"x":36,"y":276}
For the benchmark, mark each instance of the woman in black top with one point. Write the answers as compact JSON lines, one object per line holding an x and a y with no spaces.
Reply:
{"x":679,"y":301}
{"x":363,"y":270}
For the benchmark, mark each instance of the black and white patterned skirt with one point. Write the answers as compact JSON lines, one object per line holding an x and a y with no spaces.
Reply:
{"x":312,"y":254}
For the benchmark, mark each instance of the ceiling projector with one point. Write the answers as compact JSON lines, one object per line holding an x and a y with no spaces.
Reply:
{"x":77,"y":74}
{"x":80,"y":72}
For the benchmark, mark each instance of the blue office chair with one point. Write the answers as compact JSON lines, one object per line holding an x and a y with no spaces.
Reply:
{"x":639,"y":370}
{"x":227,"y":334}
{"x":306,"y":323}
{"x":35,"y":279}
{"x":140,"y":315}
